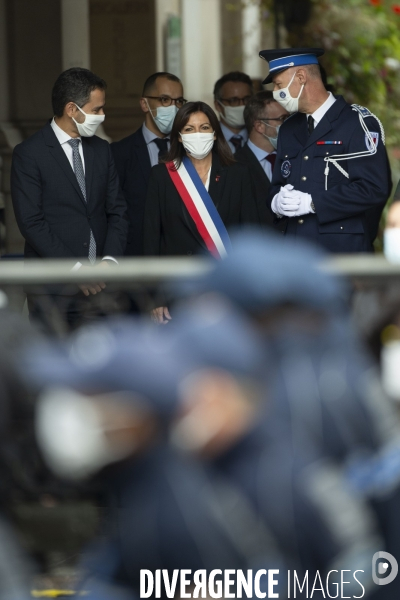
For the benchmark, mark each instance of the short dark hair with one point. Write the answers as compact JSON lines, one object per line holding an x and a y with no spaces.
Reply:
{"x":255,"y":107}
{"x":74,"y":85}
{"x":232,"y":76}
{"x":150,"y":81}
{"x":177,"y":151}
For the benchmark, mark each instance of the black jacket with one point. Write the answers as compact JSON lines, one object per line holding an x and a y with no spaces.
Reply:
{"x":168,"y":228}
{"x":51,"y":212}
{"x":133,"y":165}
{"x":260,"y":184}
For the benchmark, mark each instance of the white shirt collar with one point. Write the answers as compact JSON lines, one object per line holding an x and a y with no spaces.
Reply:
{"x":148,"y":135}
{"x":62,"y":137}
{"x":228,"y":133}
{"x":259,"y":152}
{"x":320,"y":112}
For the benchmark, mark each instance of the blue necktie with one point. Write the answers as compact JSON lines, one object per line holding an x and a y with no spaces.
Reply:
{"x":80,"y":176}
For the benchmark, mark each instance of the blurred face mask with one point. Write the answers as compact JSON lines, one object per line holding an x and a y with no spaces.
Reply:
{"x":272,"y":140}
{"x":165,"y":117}
{"x":71,"y":435}
{"x":391,"y":244}
{"x":233,"y":116}
{"x":89,"y":127}
{"x":198,"y":145}
{"x":285,"y":99}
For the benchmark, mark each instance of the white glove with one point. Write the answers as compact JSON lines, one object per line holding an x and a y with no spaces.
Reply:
{"x":291,"y":203}
{"x":285,"y":201}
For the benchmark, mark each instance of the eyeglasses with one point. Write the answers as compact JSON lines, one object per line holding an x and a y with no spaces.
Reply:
{"x":236,"y":101}
{"x":280,"y":119}
{"x":167,"y":101}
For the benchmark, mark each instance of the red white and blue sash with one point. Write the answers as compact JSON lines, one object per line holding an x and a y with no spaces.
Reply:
{"x":200,"y":207}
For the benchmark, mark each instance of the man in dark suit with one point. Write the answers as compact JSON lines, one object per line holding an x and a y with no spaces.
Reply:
{"x":136,"y":154}
{"x":263,"y":116}
{"x":65,"y":190}
{"x":231,"y":94}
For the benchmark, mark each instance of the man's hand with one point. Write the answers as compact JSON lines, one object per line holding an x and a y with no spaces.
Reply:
{"x":91,"y":288}
{"x":289,"y":202}
{"x":160,"y":315}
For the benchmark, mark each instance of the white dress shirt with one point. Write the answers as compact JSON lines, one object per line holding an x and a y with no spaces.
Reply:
{"x":320,"y":112}
{"x":228,"y":134}
{"x":152,"y":147}
{"x":64,"y":138}
{"x":261,"y":156}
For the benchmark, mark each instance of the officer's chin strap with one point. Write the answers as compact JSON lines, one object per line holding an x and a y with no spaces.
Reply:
{"x":334,"y":159}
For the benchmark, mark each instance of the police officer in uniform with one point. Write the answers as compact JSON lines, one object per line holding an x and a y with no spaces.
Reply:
{"x":332,"y":175}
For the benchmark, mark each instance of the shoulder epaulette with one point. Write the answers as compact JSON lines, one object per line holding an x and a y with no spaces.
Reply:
{"x":363,"y":110}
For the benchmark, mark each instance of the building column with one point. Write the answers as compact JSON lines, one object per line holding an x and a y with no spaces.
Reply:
{"x":10,"y":237}
{"x":201,"y":48}
{"x":75,"y":34}
{"x":251,"y":39}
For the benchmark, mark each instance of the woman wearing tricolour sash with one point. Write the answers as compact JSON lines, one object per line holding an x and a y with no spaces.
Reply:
{"x":197,"y":193}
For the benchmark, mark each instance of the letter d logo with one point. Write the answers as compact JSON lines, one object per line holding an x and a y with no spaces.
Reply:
{"x":383,"y":567}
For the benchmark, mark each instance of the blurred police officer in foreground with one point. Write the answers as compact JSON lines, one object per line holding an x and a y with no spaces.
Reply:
{"x":111,"y":416}
{"x":332,"y":175}
{"x":323,"y":391}
{"x":228,"y":420}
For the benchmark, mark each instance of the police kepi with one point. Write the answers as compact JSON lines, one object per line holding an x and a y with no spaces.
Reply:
{"x":283,"y":58}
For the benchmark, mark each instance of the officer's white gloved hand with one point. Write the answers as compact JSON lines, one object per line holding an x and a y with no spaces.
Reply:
{"x":304,"y":207}
{"x":285,"y":202}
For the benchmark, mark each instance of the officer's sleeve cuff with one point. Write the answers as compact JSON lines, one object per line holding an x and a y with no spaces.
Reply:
{"x":76,"y":266}
{"x":110,"y":258}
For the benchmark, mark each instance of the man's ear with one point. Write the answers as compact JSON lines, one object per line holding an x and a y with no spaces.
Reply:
{"x":143,"y":105}
{"x":302,"y":75}
{"x":218,"y":106}
{"x":70,"y":109}
{"x":258,"y":126}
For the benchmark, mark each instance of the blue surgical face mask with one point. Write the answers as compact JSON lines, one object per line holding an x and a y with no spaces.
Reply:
{"x":164,"y":118}
{"x":273,"y":140}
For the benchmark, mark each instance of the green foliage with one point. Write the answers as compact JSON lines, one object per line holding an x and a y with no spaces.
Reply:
{"x":362,"y":60}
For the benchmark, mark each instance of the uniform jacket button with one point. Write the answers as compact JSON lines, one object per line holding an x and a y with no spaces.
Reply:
{"x":85,"y":244}
{"x":306,"y":158}
{"x":286,"y":155}
{"x":301,"y":221}
{"x":341,"y":227}
{"x":304,"y":178}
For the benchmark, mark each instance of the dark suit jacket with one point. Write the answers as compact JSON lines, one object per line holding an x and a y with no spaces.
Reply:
{"x":168,"y":227}
{"x":50,"y":209}
{"x":260,"y":184}
{"x":133,"y":165}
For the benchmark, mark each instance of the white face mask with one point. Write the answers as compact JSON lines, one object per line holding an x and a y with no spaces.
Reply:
{"x":71,"y":434}
{"x":273,"y":140}
{"x":89,"y":127}
{"x":233,"y":116}
{"x":198,"y":145}
{"x":165,"y":117}
{"x":391,"y":244}
{"x":285,"y":99}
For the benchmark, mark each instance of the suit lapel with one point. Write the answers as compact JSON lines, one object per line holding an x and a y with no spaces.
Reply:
{"x":325,"y":125}
{"x":142,"y":153}
{"x":88,"y":154}
{"x":255,"y":163}
{"x":60,"y":157}
{"x":216,"y":181}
